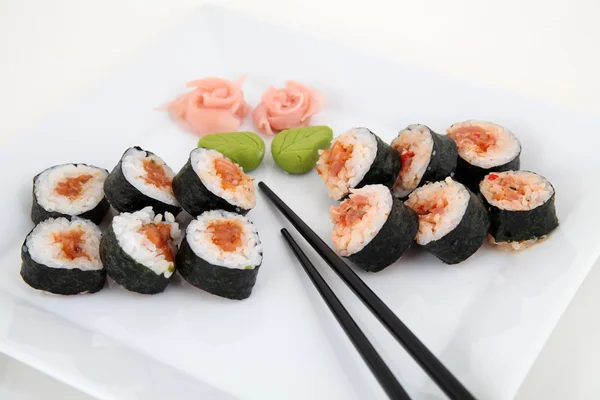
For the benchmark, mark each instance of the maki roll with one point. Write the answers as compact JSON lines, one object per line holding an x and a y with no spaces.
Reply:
{"x":141,"y":179}
{"x":61,"y":256}
{"x":69,"y":190}
{"x":211,"y":181}
{"x":371,"y":228}
{"x":221,"y":254}
{"x":357,"y":158}
{"x":483,"y":147}
{"x":453,"y":221}
{"x":521,"y":207}
{"x":426,"y":157}
{"x":138,"y":250}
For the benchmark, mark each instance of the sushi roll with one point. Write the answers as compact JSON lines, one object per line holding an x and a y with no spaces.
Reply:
{"x":138,"y":250}
{"x":69,"y":190}
{"x":371,"y":228}
{"x":426,"y":157}
{"x":357,"y":158}
{"x":521,"y":207}
{"x":453,"y":221}
{"x":211,"y":181}
{"x":141,"y":179}
{"x":483,"y":147}
{"x":61,"y":256}
{"x":221,"y":254}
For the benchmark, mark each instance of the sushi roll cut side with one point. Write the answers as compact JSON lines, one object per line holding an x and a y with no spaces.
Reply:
{"x":426,"y":157}
{"x":69,"y":190}
{"x":138,"y":250}
{"x":371,"y":228}
{"x":453,"y":221}
{"x":357,"y":158}
{"x":521,"y":208}
{"x":141,"y":179}
{"x":211,"y":181}
{"x":483,"y":147}
{"x":221,"y":254}
{"x":62,"y":256}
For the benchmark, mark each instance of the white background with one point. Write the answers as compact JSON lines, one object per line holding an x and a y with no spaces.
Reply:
{"x":53,"y":50}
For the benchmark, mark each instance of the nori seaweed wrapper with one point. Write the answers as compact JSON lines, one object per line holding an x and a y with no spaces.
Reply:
{"x":124,"y":197}
{"x":231,"y":283}
{"x":195,"y":198}
{"x":393,"y":239}
{"x":511,"y":226}
{"x":39,"y":213}
{"x":466,"y":238}
{"x":385,"y":167}
{"x":442,"y":160}
{"x":127,"y":272}
{"x":59,"y":280}
{"x":444,"y":157}
{"x":471,"y":175}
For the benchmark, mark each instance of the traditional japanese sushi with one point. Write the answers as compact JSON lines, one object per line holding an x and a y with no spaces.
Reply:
{"x":138,"y":250}
{"x":483,"y":147}
{"x":372,"y":228}
{"x":211,"y":181}
{"x":426,"y":157}
{"x":521,"y":207}
{"x":61,"y":256}
{"x":69,"y":190}
{"x":357,"y":158}
{"x":141,"y":179}
{"x":221,"y":254}
{"x":453,"y":222}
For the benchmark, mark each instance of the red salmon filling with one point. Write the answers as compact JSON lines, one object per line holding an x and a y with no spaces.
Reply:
{"x":71,"y":243}
{"x":227,"y":235}
{"x":159,"y":235}
{"x":407,"y":157}
{"x":336,"y":157}
{"x":156,"y":174}
{"x":230,"y":174}
{"x":508,"y":187}
{"x":350,"y":211}
{"x":431,"y":210}
{"x":474,"y":137}
{"x":71,"y":187}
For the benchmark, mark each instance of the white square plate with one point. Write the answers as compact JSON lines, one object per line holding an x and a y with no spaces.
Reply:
{"x":486,"y":318}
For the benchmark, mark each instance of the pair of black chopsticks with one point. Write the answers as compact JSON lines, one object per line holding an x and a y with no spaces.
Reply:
{"x":432,"y":366}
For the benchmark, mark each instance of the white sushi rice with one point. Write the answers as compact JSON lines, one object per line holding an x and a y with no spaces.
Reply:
{"x":453,"y":198}
{"x":243,"y":195}
{"x":199,"y":237}
{"x":515,"y":245}
{"x":516,"y":190}
{"x":364,"y":150}
{"x":417,"y":139}
{"x":91,"y":194}
{"x":348,"y":240}
{"x":45,"y":250}
{"x":505,"y":149}
{"x":132,"y":165}
{"x":136,"y":244}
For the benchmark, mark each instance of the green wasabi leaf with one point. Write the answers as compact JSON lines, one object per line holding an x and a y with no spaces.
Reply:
{"x":296,"y":150}
{"x":244,"y":148}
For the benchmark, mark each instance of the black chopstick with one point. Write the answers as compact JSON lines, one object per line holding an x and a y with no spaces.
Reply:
{"x":379,"y":368}
{"x":425,"y":358}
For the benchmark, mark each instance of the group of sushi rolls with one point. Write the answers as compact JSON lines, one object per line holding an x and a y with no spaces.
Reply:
{"x":143,"y":246}
{"x":446,"y":193}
